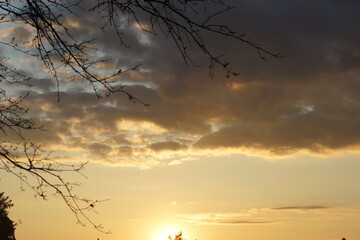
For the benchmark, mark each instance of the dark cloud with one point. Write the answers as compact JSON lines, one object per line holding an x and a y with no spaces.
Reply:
{"x":21,"y":34}
{"x":98,"y":149}
{"x":308,"y":100}
{"x":125,"y":150}
{"x":316,"y":126}
{"x":302,"y":208}
{"x":43,"y":84}
{"x":164,"y":146}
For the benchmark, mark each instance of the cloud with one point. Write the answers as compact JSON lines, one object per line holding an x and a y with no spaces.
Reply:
{"x":43,"y":84}
{"x":163,"y":146}
{"x":315,"y":209}
{"x":302,"y":208}
{"x":18,"y":34}
{"x":263,"y":215}
{"x":220,"y":219}
{"x":21,"y":34}
{"x":98,"y":149}
{"x":307,"y":101}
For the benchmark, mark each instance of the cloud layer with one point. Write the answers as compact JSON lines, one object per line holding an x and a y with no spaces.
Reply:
{"x":307,"y":101}
{"x":263,"y":215}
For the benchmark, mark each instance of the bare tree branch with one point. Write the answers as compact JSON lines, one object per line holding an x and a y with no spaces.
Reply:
{"x":186,"y":22}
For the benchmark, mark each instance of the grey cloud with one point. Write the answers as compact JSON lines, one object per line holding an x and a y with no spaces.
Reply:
{"x":306,"y":101}
{"x":43,"y":84}
{"x":81,"y":104}
{"x":98,"y":149}
{"x":118,"y":139}
{"x":169,"y":145}
{"x":21,"y":34}
{"x":302,"y":208}
{"x":179,"y":115}
{"x":37,"y":136}
{"x":278,"y":118}
{"x":286,"y":118}
{"x":286,"y":136}
{"x":125,"y":150}
{"x":306,"y":32}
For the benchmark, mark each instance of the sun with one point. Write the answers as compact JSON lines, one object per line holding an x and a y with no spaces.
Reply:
{"x":164,"y":232}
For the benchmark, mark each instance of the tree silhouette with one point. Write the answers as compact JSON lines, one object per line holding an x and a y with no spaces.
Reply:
{"x":7,"y":226}
{"x":65,"y":55}
{"x":177,"y":236}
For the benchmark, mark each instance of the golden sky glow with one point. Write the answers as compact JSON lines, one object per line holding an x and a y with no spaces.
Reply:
{"x":272,"y":154}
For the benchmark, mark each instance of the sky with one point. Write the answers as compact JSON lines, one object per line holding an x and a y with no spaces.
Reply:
{"x":270,"y":154}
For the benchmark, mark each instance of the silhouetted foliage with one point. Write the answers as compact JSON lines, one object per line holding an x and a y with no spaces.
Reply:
{"x":177,"y":236}
{"x":7,"y":226}
{"x":65,"y":55}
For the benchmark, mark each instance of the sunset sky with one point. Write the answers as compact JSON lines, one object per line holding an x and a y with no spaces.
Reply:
{"x":270,"y":154}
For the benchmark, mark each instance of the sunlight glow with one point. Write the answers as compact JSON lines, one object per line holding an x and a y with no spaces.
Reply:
{"x":166,"y":231}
